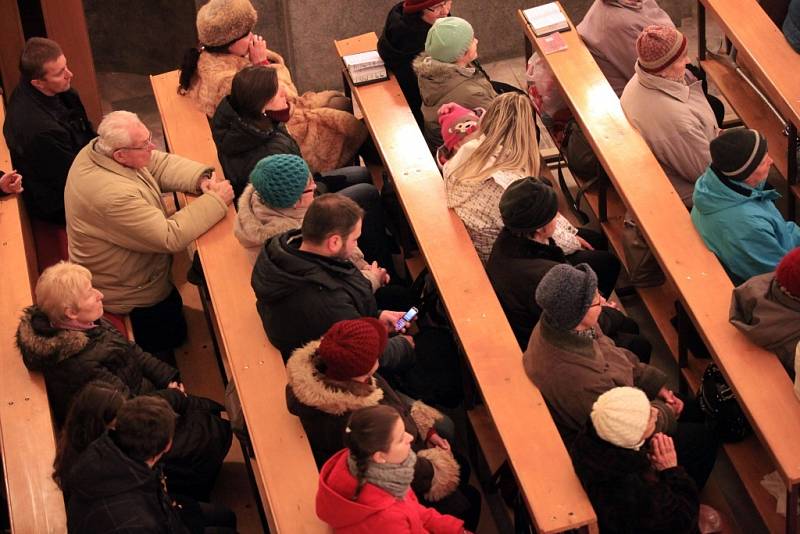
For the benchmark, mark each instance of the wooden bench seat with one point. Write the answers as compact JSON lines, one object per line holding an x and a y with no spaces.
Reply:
{"x":694,"y":276}
{"x":26,"y":427}
{"x":540,"y":463}
{"x":284,"y":467}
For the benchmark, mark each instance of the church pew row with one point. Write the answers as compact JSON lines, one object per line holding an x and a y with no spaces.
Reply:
{"x":552,"y":492}
{"x":26,"y":428}
{"x":694,"y":276}
{"x":283,"y":467}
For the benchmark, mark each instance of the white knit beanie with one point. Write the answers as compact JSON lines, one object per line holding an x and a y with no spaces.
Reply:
{"x":620,"y":416}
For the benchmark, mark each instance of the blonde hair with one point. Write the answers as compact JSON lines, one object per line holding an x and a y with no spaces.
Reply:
{"x":59,"y":287}
{"x":510,"y":138}
{"x":114,"y":131}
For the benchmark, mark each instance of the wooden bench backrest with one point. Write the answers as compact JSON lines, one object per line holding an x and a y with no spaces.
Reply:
{"x":26,"y":427}
{"x":773,"y":63}
{"x":543,"y":469}
{"x":760,"y":382}
{"x":287,"y":474}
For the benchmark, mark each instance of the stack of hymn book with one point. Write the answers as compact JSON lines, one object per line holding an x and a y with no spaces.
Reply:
{"x":546,"y":19}
{"x":366,"y":67}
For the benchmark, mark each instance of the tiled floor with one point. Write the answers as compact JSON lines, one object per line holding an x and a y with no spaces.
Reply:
{"x":132,"y":92}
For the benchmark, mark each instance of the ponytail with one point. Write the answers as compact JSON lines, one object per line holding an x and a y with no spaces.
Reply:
{"x":362,"y":464}
{"x":189,"y":67}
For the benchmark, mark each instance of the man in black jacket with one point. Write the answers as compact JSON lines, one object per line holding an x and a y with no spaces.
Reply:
{"x":402,"y":40}
{"x":304,"y":282}
{"x":45,"y":128}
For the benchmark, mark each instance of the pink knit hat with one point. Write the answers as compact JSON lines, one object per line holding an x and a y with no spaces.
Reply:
{"x":658,"y":47}
{"x":457,"y":122}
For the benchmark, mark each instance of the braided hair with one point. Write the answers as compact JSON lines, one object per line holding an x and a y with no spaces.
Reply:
{"x":368,"y":431}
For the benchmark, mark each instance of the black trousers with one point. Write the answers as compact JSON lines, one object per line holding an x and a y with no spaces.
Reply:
{"x":695,"y":444}
{"x":604,"y":263}
{"x":161,"y":327}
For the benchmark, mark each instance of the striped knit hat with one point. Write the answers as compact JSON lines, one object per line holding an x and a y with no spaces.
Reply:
{"x":736,"y":153}
{"x":658,"y":47}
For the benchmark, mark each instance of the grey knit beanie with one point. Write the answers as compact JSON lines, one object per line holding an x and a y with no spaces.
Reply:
{"x":565,"y":294}
{"x":280,"y":179}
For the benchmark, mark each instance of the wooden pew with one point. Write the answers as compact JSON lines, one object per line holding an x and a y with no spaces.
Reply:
{"x":26,"y":428}
{"x":695,"y":277}
{"x":284,"y":467}
{"x":773,"y":65}
{"x":554,"y":495}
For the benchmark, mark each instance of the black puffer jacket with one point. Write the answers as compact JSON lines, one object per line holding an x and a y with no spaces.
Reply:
{"x":44,"y":134}
{"x":402,"y":40}
{"x":629,"y":496}
{"x":515,"y":268}
{"x":69,"y":359}
{"x":299,"y":296}
{"x":241,"y":143}
{"x":110,"y":492}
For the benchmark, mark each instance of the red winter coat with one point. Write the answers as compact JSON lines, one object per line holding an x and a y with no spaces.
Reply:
{"x":375,"y":510}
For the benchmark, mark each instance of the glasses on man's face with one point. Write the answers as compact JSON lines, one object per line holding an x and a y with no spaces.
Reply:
{"x":600,"y":302}
{"x":147,"y":145}
{"x":438,"y":8}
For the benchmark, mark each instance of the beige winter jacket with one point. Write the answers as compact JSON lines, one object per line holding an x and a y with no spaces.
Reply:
{"x":610,"y":31}
{"x":676,"y":122}
{"x":328,"y":137}
{"x":118,"y":228}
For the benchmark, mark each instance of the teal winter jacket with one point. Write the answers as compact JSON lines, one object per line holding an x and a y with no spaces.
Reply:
{"x":747,"y":233}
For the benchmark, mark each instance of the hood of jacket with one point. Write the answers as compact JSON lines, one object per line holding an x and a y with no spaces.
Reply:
{"x":437,"y":79}
{"x":403,"y":36}
{"x":312,"y":388}
{"x":281,"y":268}
{"x":257,"y":222}
{"x":235,"y":135}
{"x":43,"y":345}
{"x":712,"y":196}
{"x":337,"y":486}
{"x":103,"y":471}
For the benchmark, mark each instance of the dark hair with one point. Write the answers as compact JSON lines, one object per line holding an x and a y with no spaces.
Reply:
{"x":330,"y":214}
{"x":369,"y":430}
{"x":192,"y":56}
{"x":37,"y":52}
{"x":144,"y":428}
{"x":252,"y":87}
{"x":90,"y":413}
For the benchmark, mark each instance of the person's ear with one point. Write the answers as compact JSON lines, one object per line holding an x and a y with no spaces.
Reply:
{"x":379,"y":457}
{"x":118,"y":156}
{"x":334,"y":243}
{"x":70,"y":313}
{"x":39,"y":84}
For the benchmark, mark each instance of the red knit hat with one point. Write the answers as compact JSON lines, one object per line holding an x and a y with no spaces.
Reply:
{"x":350,"y":348}
{"x":788,"y":273}
{"x":658,"y":47}
{"x":457,"y":122}
{"x":415,"y":6}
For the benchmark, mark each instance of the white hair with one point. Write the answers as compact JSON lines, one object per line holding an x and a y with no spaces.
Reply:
{"x":115,"y":131}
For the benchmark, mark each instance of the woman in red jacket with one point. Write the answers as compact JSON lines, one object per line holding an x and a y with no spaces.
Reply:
{"x":366,"y":487}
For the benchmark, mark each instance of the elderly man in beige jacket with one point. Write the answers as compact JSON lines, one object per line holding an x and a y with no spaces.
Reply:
{"x":118,"y":227}
{"x":667,"y":105}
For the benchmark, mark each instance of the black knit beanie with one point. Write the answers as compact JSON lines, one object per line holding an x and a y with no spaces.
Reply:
{"x":527,"y":205}
{"x":735,"y":154}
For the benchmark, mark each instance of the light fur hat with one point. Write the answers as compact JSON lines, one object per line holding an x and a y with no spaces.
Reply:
{"x":221,"y":22}
{"x":620,"y":416}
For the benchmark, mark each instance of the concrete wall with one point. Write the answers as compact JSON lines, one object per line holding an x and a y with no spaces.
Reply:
{"x":303,"y":31}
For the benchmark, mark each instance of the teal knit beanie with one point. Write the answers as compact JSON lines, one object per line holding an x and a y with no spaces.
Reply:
{"x":280,"y":179}
{"x":448,"y":39}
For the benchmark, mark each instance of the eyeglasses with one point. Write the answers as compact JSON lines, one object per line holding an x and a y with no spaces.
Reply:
{"x":440,"y":7}
{"x":147,"y":146}
{"x":600,"y":302}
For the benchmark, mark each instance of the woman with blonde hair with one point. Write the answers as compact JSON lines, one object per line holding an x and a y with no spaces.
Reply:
{"x":483,"y":168}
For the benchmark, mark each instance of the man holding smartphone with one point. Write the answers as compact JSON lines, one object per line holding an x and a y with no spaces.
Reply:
{"x":304,"y":282}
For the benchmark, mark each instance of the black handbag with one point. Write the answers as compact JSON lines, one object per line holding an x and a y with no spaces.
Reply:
{"x":718,"y":402}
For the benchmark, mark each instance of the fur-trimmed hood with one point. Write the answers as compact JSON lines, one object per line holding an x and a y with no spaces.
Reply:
{"x":313,"y":388}
{"x":256,"y":222}
{"x":43,"y":345}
